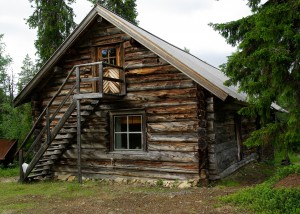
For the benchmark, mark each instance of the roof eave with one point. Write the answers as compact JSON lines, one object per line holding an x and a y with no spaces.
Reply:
{"x":22,"y":97}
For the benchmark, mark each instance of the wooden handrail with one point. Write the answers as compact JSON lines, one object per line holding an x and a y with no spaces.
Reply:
{"x":76,"y":85}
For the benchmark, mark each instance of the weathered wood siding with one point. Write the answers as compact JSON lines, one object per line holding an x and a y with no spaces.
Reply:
{"x":224,"y":129}
{"x":168,"y":97}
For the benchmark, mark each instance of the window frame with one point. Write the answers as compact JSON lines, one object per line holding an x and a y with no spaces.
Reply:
{"x":131,"y":112}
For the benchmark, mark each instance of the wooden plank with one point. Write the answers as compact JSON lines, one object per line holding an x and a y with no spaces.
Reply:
{"x":167,"y":127}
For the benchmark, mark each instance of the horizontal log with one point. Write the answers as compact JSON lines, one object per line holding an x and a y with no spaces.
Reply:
{"x":151,"y":155}
{"x":156,"y":77}
{"x":111,"y":174}
{"x":178,"y":109}
{"x":178,"y":137}
{"x":184,"y":126}
{"x":161,"y":94}
{"x":172,"y":146}
{"x":192,"y":167}
{"x":171,"y":117}
{"x":163,"y":85}
{"x":150,"y":70}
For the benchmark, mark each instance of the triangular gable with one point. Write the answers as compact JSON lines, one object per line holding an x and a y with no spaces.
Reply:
{"x":204,"y":74}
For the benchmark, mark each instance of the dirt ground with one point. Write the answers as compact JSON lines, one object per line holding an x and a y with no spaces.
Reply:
{"x":290,"y":181}
{"x":130,"y":199}
{"x":124,"y":199}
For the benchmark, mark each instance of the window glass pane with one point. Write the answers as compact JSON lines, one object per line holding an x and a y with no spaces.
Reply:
{"x":104,"y":53}
{"x":112,"y":61}
{"x":121,"y":141}
{"x":121,"y":123}
{"x":112,"y":52}
{"x":135,"y":141}
{"x":135,"y":123}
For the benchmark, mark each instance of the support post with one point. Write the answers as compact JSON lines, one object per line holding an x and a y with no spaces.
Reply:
{"x":48,"y":126}
{"x":101,"y":78}
{"x":77,"y":80}
{"x":79,"y":141}
{"x":20,"y":165}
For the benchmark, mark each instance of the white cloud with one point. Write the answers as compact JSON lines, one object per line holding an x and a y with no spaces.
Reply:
{"x":182,"y":23}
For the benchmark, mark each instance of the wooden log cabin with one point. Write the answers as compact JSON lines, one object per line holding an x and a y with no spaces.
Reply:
{"x":116,"y":101}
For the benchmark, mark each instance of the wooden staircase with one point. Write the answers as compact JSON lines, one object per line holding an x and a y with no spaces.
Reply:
{"x":63,"y":127}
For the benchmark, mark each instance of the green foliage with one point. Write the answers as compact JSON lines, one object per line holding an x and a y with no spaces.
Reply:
{"x":16,"y":122}
{"x":264,"y":198}
{"x":5,"y":79}
{"x":53,"y":20}
{"x":124,"y":8}
{"x":266,"y":66}
{"x":28,"y":70}
{"x":9,"y":172}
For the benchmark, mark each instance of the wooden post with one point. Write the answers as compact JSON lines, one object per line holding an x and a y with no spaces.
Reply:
{"x":237,"y":122}
{"x":77,"y":80}
{"x":79,"y":141}
{"x":101,"y":78}
{"x":20,"y":165}
{"x":48,"y":126}
{"x":123,"y":86}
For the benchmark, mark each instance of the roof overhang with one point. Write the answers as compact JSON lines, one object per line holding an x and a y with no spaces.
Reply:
{"x":201,"y":72}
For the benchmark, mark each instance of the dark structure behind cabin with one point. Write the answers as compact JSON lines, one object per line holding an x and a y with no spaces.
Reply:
{"x":7,"y":151}
{"x":116,"y":101}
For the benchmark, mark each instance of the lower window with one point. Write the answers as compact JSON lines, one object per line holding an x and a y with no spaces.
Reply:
{"x":127,"y":130}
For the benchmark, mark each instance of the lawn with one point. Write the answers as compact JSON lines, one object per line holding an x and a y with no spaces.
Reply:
{"x":231,"y":195}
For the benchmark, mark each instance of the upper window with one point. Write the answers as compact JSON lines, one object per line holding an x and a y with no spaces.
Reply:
{"x":128,"y":131}
{"x":109,"y":55}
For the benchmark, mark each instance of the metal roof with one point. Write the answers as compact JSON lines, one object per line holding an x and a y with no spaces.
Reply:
{"x":5,"y":147}
{"x":201,"y":72}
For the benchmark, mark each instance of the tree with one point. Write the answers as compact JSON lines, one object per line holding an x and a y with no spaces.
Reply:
{"x":28,"y":70}
{"x":266,"y":66}
{"x":14,"y":122}
{"x":5,"y":61}
{"x":124,"y":8}
{"x":54,"y":22}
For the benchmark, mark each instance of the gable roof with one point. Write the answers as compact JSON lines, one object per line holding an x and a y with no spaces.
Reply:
{"x":5,"y":147}
{"x":206,"y":75}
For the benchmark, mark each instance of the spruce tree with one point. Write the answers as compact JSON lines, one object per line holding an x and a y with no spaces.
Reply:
{"x":266,"y":65}
{"x":124,"y":8}
{"x":28,"y":70}
{"x":54,"y":22}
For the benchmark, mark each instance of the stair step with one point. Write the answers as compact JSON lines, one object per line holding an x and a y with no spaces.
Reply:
{"x":54,"y":148}
{"x":65,"y":136}
{"x":49,"y":153}
{"x":68,"y":130}
{"x":49,"y":158}
{"x":37,"y":175}
{"x":39,"y":170}
{"x":44,"y":164}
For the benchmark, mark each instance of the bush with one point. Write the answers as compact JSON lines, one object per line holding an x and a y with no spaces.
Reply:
{"x":264,"y":198}
{"x":9,"y":172}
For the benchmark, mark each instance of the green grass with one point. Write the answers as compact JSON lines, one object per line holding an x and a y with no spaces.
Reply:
{"x":9,"y":172}
{"x":294,"y":157}
{"x":263,"y":198}
{"x":21,"y":195}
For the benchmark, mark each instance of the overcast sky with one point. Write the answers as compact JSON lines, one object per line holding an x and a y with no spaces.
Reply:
{"x":182,"y":23}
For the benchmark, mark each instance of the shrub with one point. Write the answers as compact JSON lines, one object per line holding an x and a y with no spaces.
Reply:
{"x":264,"y":198}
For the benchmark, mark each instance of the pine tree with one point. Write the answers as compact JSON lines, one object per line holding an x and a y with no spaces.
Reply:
{"x":54,"y":22}
{"x":266,"y":65}
{"x":5,"y":61}
{"x":28,"y":70}
{"x":124,"y":8}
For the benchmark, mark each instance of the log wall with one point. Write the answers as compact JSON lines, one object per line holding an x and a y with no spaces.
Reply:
{"x":168,"y":97}
{"x":227,"y":131}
